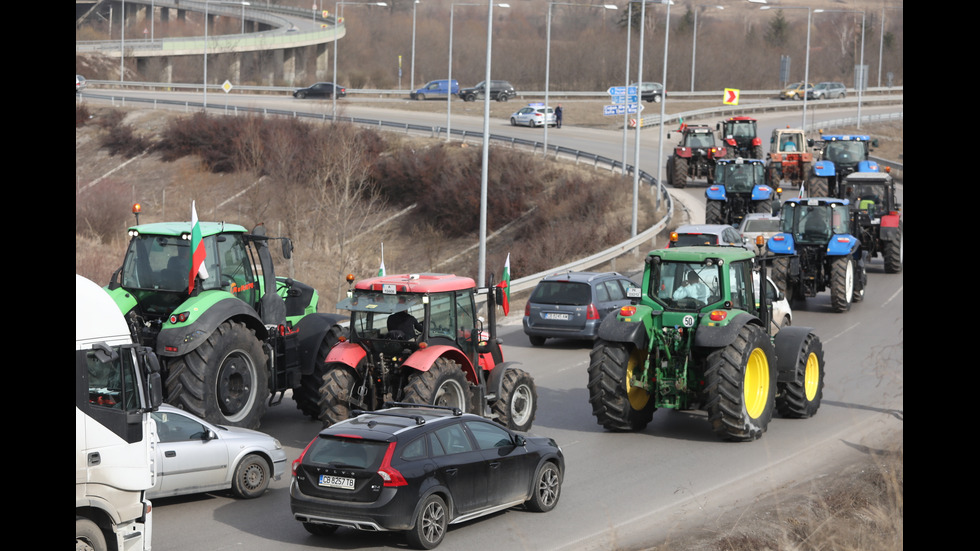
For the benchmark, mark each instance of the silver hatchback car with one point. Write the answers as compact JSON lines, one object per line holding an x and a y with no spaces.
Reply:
{"x":534,"y":116}
{"x":571,"y":305}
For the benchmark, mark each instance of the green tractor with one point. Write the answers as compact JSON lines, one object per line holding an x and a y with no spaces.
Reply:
{"x":236,"y":340}
{"x":696,"y":337}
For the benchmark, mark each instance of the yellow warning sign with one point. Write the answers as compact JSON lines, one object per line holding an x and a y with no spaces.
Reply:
{"x":731,"y":96}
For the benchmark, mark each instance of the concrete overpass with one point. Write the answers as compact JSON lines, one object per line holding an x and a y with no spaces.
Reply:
{"x":276,"y":40}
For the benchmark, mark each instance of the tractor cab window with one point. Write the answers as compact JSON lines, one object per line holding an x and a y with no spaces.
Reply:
{"x":442,"y":315}
{"x":845,"y":152}
{"x":699,"y":139}
{"x":790,"y":142}
{"x":685,"y":285}
{"x":157,"y":262}
{"x":740,"y":129}
{"x":740,"y":284}
{"x":376,"y":315}
{"x":466,"y":319}
{"x":815,"y":224}
{"x":867,"y":197}
{"x":739,"y":177}
{"x":235,"y":271}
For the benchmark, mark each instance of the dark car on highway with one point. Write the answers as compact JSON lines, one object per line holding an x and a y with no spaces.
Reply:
{"x":571,"y":305}
{"x":320,"y":90}
{"x":500,"y":90}
{"x":418,"y":469}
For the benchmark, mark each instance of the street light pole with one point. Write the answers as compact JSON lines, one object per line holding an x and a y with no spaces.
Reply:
{"x":486,"y":83}
{"x":860,"y":73}
{"x":694,"y":41}
{"x":415,"y":6}
{"x":663,"y":107}
{"x":547,"y":62}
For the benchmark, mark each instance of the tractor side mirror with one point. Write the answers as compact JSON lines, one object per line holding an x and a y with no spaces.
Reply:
{"x":287,"y":248}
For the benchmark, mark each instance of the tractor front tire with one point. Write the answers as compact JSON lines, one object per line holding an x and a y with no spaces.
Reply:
{"x":518,"y":401}
{"x":842,"y":284}
{"x":800,"y":398}
{"x":443,"y":384}
{"x":336,"y":395}
{"x":712,"y":213}
{"x":224,"y":380}
{"x":892,"y":251}
{"x":618,"y":405}
{"x":307,"y":394}
{"x":679,"y":179}
{"x":741,"y":386}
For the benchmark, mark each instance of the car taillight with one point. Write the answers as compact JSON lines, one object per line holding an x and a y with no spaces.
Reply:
{"x":527,"y":309}
{"x":592,"y":312}
{"x":299,"y":459}
{"x":391,"y":475}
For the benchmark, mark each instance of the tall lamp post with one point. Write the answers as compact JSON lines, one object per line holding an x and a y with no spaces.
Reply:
{"x":663,"y":107}
{"x":486,"y":83}
{"x":860,"y":74}
{"x":415,"y":6}
{"x":336,"y":42}
{"x":806,"y":70}
{"x":547,"y":60}
{"x":694,"y":41}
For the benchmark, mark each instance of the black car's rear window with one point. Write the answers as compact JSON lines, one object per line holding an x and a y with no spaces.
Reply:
{"x":562,"y":292}
{"x":695,"y":239}
{"x":339,"y":451}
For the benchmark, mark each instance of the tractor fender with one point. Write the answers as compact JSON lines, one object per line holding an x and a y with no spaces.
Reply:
{"x":720,"y":336}
{"x":756,"y":141}
{"x":867,"y":166}
{"x":612,"y":329}
{"x":496,"y":377}
{"x":213,"y":309}
{"x":891,"y":221}
{"x":347,"y":353}
{"x":824,"y":169}
{"x":781,"y":243}
{"x":842,"y":244}
{"x":715,"y":192}
{"x":761,"y":192}
{"x":684,"y":152}
{"x":789,"y":344}
{"x":312,"y":329}
{"x":423,"y":358}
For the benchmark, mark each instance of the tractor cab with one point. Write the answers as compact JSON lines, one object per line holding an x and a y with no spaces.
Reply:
{"x":740,"y":175}
{"x":741,"y":137}
{"x":871,"y":193}
{"x":815,"y":221}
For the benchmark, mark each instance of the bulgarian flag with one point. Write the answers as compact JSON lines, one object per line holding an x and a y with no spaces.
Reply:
{"x":198,"y":254}
{"x":682,"y":126}
{"x":505,"y":285}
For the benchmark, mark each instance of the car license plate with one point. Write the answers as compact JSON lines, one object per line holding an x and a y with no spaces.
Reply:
{"x":341,"y":482}
{"x":554,"y":316}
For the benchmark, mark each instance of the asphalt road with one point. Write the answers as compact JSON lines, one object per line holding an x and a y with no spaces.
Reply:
{"x":620,"y":490}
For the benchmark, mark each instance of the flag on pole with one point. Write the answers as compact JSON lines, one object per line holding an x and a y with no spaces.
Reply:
{"x":505,"y":285}
{"x":198,"y":254}
{"x":381,"y":270}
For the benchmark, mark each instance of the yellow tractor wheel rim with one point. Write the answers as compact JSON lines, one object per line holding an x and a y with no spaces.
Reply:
{"x":756,"y":387}
{"x":638,"y":396}
{"x":811,"y":377}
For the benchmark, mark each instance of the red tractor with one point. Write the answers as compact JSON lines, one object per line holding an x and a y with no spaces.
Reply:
{"x":417,"y":338}
{"x":741,"y":138}
{"x":694,"y":156}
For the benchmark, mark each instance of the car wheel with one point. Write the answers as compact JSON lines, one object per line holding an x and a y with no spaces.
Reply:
{"x":513,"y":121}
{"x":657,"y":99}
{"x":251,"y":477}
{"x":536,"y":340}
{"x":547,"y":489}
{"x":430,"y":524}
{"x":300,"y":95}
{"x":420,"y":97}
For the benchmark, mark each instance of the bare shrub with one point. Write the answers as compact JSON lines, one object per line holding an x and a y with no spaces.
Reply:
{"x":102,"y":212}
{"x":81,"y":115}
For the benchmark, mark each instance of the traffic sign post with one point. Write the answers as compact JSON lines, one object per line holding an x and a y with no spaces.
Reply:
{"x":625,"y":99}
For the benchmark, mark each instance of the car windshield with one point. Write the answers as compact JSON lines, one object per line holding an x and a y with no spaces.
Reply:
{"x":562,"y":292}
{"x":740,"y":177}
{"x":845,"y":152}
{"x":761,"y":225}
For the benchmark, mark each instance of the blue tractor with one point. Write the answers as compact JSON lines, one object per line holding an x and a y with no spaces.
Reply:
{"x":739,"y":188}
{"x":816,"y":252}
{"x":840,"y":155}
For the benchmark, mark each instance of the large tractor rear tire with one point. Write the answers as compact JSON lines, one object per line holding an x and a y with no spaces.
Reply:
{"x":616,"y":403}
{"x":842,"y":284}
{"x":712,"y":213}
{"x":307,"y":394}
{"x":800,"y":398}
{"x":337,"y":395}
{"x":780,"y":276}
{"x":518,"y":401}
{"x":757,"y":152}
{"x":741,"y":385}
{"x":444,"y":384}
{"x":893,"y":251}
{"x":224,"y":380}
{"x":816,"y":186}
{"x":679,"y":179}
{"x":764,"y":206}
